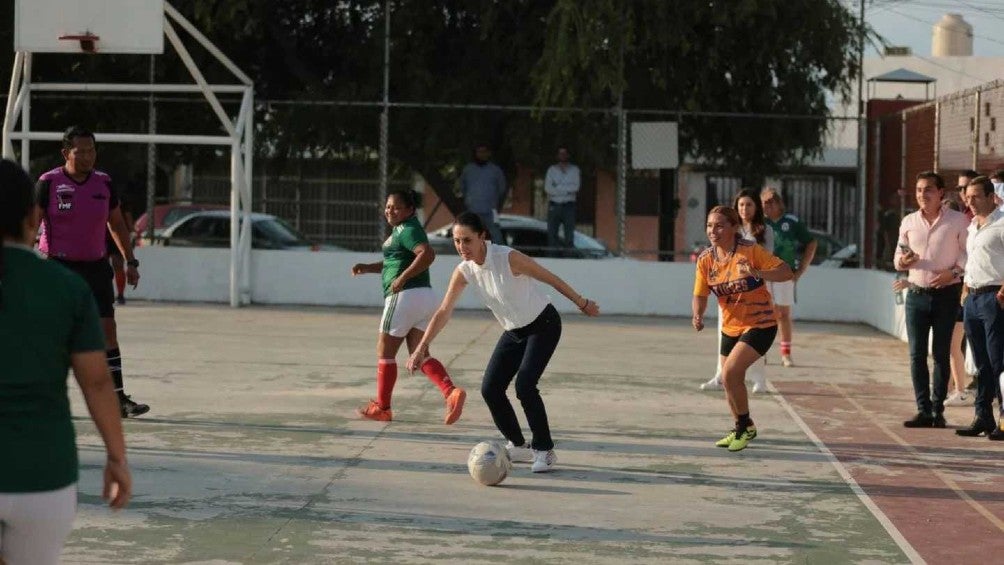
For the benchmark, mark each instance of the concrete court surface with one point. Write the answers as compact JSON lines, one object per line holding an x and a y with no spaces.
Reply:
{"x":252,"y":454}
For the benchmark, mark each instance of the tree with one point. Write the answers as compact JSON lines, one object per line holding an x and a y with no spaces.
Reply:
{"x":749,"y":56}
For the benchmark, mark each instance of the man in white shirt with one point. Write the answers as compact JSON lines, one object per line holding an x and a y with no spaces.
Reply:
{"x":984,"y":303}
{"x":561,"y":183}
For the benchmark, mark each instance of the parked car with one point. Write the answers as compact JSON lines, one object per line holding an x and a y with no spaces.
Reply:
{"x":831,"y":252}
{"x":211,"y":228}
{"x":165,"y":215}
{"x":528,"y":235}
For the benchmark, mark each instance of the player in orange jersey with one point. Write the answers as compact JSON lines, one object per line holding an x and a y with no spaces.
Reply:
{"x":736,"y":271}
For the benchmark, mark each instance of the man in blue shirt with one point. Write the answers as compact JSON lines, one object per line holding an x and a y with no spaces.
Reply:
{"x":483,"y":186}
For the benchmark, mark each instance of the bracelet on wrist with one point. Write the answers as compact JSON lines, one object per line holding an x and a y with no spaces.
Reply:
{"x":584,"y":304}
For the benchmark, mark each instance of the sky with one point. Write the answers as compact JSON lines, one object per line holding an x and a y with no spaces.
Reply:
{"x":910,"y":22}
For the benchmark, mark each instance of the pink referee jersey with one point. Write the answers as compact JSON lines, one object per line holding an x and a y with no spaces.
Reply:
{"x":76,"y":215}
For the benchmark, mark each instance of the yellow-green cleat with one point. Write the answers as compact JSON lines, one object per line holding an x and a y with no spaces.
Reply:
{"x":742,"y":440}
{"x":727,"y":440}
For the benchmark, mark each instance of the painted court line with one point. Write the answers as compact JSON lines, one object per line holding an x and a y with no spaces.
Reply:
{"x":949,"y":482}
{"x":891,"y":528}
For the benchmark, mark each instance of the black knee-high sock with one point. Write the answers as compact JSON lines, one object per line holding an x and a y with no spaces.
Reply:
{"x":115,"y":366}
{"x":743,"y":422}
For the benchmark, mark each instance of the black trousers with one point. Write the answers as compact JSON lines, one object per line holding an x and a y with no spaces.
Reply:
{"x":523,"y":354}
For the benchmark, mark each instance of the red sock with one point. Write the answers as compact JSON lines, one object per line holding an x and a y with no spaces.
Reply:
{"x":386,"y":377}
{"x":120,"y":282}
{"x":438,"y":375}
{"x":786,"y":348}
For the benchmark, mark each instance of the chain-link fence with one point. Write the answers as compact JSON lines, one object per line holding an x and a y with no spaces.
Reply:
{"x":949,"y":135}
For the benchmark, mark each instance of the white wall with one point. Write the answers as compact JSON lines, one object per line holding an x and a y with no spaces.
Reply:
{"x":619,"y":286}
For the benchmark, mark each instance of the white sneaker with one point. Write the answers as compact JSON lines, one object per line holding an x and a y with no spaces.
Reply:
{"x":543,"y":461}
{"x":519,"y":454}
{"x":959,"y":398}
{"x":714,"y":384}
{"x":759,"y":386}
{"x":786,"y":361}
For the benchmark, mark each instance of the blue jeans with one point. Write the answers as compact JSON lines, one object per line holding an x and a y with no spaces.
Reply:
{"x":984,"y":321}
{"x":934,"y":313}
{"x":560,"y":215}
{"x":522,"y":353}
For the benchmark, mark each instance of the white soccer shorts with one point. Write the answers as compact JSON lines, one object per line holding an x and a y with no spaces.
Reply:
{"x":410,"y":308}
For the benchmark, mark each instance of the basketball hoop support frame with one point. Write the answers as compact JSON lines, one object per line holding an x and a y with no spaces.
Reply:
{"x":238,"y":130}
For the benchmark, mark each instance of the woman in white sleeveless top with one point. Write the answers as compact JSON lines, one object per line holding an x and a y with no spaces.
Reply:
{"x":505,"y":280}
{"x":754,"y":228}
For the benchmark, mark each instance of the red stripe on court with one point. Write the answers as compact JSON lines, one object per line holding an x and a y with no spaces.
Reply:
{"x":944,"y":493}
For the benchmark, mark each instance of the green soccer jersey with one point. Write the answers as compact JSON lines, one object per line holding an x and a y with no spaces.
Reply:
{"x":790,"y":236}
{"x":398,"y":254}
{"x":48,"y":313}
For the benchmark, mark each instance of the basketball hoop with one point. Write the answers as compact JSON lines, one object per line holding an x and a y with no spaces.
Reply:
{"x":88,"y":41}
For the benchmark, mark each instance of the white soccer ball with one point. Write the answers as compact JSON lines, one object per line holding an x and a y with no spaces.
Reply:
{"x":489,"y":463}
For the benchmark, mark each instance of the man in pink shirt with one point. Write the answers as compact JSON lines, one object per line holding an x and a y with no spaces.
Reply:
{"x":932,"y":247}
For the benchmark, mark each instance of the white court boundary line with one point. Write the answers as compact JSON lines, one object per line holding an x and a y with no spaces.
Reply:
{"x":891,"y":528}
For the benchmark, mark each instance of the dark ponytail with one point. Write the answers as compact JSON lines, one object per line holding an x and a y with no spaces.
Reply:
{"x":15,"y":204}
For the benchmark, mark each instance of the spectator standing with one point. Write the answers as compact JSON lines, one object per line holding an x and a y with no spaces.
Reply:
{"x":984,"y":303}
{"x":483,"y":186}
{"x":561,"y":183}
{"x":932,"y":247}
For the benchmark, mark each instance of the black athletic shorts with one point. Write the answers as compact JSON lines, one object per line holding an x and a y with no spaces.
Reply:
{"x":760,"y":339}
{"x":98,"y":275}
{"x":110,"y":246}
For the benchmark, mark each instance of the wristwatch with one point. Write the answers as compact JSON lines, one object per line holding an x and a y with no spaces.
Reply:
{"x":133,"y":263}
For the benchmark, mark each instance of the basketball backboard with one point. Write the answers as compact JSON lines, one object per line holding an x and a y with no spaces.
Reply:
{"x":116,"y":26}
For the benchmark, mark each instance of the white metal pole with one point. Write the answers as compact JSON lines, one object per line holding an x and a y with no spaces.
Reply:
{"x":193,"y":69}
{"x":26,"y":115}
{"x":12,"y":92}
{"x":131,"y":138}
{"x":204,"y":41}
{"x":134,"y":87}
{"x":246,"y":165}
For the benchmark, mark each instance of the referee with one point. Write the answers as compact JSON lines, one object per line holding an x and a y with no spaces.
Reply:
{"x":78,"y":206}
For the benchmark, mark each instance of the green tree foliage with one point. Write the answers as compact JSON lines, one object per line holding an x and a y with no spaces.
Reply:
{"x":749,"y":56}
{"x":764,"y":56}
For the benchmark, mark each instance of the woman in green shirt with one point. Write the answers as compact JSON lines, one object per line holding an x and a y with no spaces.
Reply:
{"x":48,"y":323}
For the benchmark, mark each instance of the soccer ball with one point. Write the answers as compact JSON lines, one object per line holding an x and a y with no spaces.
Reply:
{"x":489,"y":463}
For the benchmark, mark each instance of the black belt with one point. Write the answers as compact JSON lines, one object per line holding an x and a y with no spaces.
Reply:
{"x":553,"y":203}
{"x":985,"y":289}
{"x":932,"y":290}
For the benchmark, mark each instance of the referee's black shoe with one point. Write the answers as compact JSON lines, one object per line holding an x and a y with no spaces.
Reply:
{"x":977,"y":428}
{"x":131,"y":409}
{"x":996,"y":435}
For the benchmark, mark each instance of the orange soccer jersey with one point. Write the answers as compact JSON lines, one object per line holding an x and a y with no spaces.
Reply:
{"x":744,"y":299}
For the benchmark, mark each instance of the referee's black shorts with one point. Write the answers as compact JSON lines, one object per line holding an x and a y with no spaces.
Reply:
{"x":99,"y":275}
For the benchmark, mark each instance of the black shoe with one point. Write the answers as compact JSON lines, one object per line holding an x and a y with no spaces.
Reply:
{"x":921,"y":420}
{"x":977,"y":428}
{"x":120,"y":300}
{"x":131,"y":409}
{"x":996,"y":435}
{"x":938,"y":421}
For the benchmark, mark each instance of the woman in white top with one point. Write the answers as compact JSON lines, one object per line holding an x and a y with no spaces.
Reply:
{"x":505,"y":280}
{"x":754,"y":228}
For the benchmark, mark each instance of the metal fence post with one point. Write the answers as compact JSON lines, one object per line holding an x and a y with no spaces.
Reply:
{"x":151,"y":158}
{"x":937,"y":135}
{"x":976,"y":133}
{"x":621,"y":177}
{"x":876,"y":191}
{"x":384,"y":123}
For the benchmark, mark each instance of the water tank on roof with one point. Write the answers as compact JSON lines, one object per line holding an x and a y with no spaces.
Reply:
{"x":953,"y":37}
